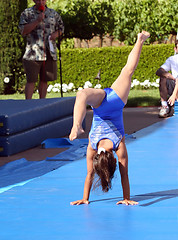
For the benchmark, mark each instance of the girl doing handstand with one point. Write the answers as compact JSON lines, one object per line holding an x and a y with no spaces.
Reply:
{"x":107,"y":130}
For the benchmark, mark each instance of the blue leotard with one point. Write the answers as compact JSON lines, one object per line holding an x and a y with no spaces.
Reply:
{"x":108,"y":120}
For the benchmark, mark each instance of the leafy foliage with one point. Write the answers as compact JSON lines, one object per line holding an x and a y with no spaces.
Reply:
{"x":11,"y":44}
{"x":78,"y":22}
{"x":81,"y":65}
{"x":104,"y":21}
{"x":168,"y":17}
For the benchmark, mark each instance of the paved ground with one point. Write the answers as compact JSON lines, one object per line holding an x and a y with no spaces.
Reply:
{"x":135,"y":119}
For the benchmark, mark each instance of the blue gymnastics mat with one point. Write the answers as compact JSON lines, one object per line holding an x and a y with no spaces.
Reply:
{"x":21,"y":115}
{"x":25,"y":124}
{"x":31,"y":138}
{"x":41,"y":210}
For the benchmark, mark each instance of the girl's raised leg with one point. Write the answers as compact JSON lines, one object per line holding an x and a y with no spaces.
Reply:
{"x":123,"y":82}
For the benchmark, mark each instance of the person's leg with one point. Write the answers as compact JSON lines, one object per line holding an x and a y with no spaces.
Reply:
{"x":32,"y":69}
{"x":42,"y":88}
{"x":48,"y":72}
{"x":163,"y":89}
{"x":123,"y":82}
{"x":166,"y":87}
{"x":88,"y":96}
{"x":29,"y":88}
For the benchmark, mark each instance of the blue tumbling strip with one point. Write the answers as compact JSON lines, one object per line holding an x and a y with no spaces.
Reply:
{"x":22,"y":170}
{"x":44,"y":203}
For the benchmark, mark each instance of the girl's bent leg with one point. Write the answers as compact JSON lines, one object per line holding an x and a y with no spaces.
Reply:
{"x":78,"y":115}
{"x":85,"y":97}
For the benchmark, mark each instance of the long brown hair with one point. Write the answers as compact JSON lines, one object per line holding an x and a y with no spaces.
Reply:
{"x":104,"y":166}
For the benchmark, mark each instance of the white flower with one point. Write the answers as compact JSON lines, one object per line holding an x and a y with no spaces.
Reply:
{"x":6,"y":80}
{"x":135,"y":82}
{"x":87,"y":85}
{"x":70,"y":86}
{"x":80,"y":88}
{"x":50,"y":87}
{"x":98,"y":86}
{"x":57,"y":85}
{"x":146,"y":84}
{"x":64,"y":87}
{"x":155,"y":84}
{"x":55,"y":90}
{"x":157,"y":80}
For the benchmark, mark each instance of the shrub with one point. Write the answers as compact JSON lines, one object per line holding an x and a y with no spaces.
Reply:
{"x":11,"y":45}
{"x":82,"y":65}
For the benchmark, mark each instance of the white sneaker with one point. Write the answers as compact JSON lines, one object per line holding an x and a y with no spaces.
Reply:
{"x":164,"y":112}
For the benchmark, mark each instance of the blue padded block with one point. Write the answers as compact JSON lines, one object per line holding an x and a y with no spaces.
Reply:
{"x":176,"y":107}
{"x":21,"y":115}
{"x":28,"y":139}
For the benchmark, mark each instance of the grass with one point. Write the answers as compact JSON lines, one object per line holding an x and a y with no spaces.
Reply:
{"x":143,"y":98}
{"x":137,"y":98}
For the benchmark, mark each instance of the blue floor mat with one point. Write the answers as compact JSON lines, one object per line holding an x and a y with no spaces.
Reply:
{"x":22,"y":170}
{"x":41,"y":210}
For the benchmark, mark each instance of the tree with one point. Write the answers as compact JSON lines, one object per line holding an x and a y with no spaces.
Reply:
{"x":103,"y":15}
{"x":77,"y":19}
{"x":149,"y":18}
{"x":168,"y":18}
{"x":127,"y":16}
{"x":11,"y":44}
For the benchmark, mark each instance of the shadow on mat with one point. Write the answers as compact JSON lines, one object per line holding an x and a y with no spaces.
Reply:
{"x":160,"y":196}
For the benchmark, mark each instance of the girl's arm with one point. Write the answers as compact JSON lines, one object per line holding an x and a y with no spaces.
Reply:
{"x":173,"y":97}
{"x":89,"y":178}
{"x":123,"y":168}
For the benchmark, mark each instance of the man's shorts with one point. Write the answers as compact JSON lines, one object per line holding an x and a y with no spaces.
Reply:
{"x":47,"y":70}
{"x":170,"y":86}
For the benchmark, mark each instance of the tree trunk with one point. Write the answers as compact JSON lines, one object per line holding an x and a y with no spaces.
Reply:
{"x":100,"y":43}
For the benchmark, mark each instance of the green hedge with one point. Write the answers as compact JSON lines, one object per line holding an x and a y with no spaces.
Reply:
{"x":81,"y":65}
{"x":12,"y":45}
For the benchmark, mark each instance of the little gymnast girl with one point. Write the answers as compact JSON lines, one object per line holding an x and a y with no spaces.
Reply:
{"x":107,"y":130}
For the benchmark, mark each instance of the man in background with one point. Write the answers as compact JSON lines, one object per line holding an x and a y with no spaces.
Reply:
{"x":41,"y":26}
{"x":168,"y":73}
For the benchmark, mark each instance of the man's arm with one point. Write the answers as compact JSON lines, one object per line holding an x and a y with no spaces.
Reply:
{"x":31,"y":26}
{"x":163,"y":73}
{"x":55,"y":35}
{"x":174,"y":95}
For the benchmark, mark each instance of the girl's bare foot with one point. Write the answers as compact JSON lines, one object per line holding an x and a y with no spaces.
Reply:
{"x":143,"y":35}
{"x":75,"y":132}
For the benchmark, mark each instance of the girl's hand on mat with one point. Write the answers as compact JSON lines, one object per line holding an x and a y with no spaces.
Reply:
{"x":79,"y":202}
{"x":127,"y":202}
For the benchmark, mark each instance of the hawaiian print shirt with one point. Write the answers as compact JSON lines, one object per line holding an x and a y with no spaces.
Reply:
{"x":37,"y":40}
